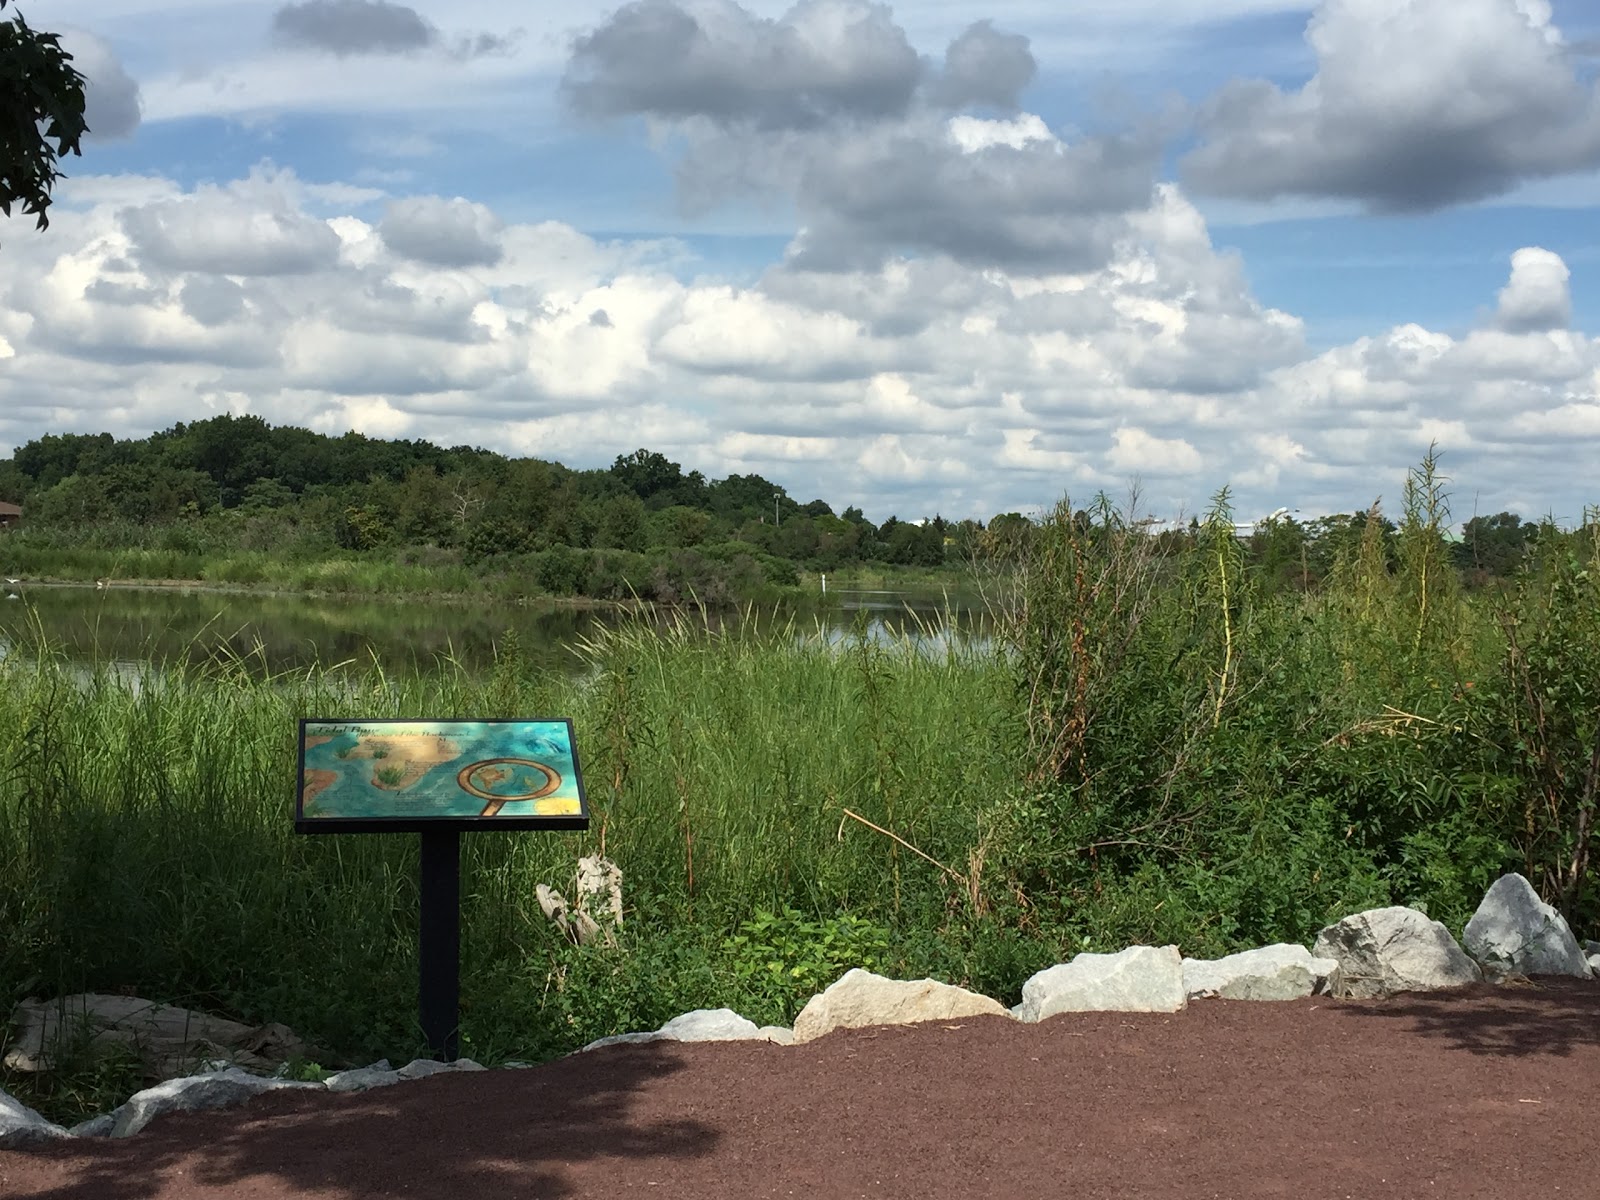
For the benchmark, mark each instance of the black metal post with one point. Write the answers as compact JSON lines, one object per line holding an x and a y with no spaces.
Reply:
{"x":439,"y":952}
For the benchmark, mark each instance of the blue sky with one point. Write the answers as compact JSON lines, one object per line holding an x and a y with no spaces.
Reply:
{"x":927,"y":257}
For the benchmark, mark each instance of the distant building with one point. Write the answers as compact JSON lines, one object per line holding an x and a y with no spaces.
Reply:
{"x":10,"y":514}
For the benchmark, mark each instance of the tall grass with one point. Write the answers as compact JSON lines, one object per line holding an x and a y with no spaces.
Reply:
{"x":146,"y":824}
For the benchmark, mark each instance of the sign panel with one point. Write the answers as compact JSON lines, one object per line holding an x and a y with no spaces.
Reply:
{"x":388,"y":775}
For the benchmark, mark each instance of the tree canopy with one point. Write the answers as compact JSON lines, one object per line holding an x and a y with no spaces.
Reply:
{"x":41,"y":101}
{"x":230,"y":484}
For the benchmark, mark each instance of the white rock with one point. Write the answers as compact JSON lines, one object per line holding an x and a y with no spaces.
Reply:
{"x":1280,"y":972}
{"x":1515,"y":932}
{"x":421,"y":1068}
{"x":379,"y":1074}
{"x":1591,"y":947}
{"x":100,"y":1126}
{"x":220,"y":1090}
{"x":1594,"y":964}
{"x":781,"y":1034}
{"x":20,"y":1126}
{"x":622,"y":1039}
{"x":859,"y":998}
{"x":1387,"y":950}
{"x":1138,"y":979}
{"x":710,"y":1025}
{"x":701,"y":1025}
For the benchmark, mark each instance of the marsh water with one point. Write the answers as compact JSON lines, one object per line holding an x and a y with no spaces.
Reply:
{"x":275,"y":633}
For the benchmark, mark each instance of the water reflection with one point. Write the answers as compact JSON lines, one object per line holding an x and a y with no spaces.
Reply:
{"x":271,"y":634}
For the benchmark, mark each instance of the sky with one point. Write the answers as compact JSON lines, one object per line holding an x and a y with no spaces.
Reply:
{"x":930,"y":258}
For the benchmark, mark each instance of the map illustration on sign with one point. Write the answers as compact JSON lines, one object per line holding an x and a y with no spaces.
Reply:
{"x":410,"y":774}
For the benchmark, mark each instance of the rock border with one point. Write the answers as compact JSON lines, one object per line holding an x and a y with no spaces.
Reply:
{"x":1371,"y":954}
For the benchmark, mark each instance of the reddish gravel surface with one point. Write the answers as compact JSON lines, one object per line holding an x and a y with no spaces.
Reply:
{"x":1482,"y":1092}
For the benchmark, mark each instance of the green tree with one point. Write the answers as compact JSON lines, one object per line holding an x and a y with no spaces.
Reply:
{"x":266,"y":494}
{"x":75,"y":500}
{"x":742,"y":496}
{"x":14,"y":485}
{"x":41,"y":100}
{"x":911,"y":545}
{"x":658,"y":481}
{"x":1279,"y":556}
{"x":621,"y":524}
{"x":50,"y":459}
{"x":1495,"y":545}
{"x":423,"y":510}
{"x":679,"y":527}
{"x":525,"y":497}
{"x":838,"y":541}
{"x":798,"y":538}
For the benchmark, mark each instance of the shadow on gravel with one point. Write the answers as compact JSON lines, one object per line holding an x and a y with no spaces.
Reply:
{"x":504,"y":1133}
{"x":1549,"y":1016}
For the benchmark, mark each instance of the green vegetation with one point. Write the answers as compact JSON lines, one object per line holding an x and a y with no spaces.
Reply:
{"x":1168,"y":744}
{"x":234,"y":502}
{"x":148,"y":824}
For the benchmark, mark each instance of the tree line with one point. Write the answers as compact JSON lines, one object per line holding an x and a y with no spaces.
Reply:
{"x":642,"y":524}
{"x":238,"y":482}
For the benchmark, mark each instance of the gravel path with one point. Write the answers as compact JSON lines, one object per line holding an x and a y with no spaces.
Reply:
{"x":1483,"y":1092}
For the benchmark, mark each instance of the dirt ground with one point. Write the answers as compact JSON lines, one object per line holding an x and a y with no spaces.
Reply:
{"x":1481,"y":1092}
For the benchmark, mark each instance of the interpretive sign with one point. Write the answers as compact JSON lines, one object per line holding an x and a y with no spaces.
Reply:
{"x":438,"y":778}
{"x":389,"y":775}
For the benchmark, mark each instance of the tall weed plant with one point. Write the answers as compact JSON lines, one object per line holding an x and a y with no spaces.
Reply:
{"x":1217,"y":762}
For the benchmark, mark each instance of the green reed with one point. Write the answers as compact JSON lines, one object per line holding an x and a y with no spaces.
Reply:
{"x":146,"y":817}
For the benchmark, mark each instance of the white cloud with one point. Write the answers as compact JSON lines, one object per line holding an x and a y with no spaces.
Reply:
{"x":112,"y":105}
{"x":764,"y":449}
{"x":918,"y":386}
{"x":1020,"y":451}
{"x":973,"y":134}
{"x":1415,"y":104}
{"x":831,"y":108}
{"x":1537,"y":296}
{"x":251,"y":227}
{"x":1137,"y":452}
{"x":722,"y":330}
{"x":443,"y":233}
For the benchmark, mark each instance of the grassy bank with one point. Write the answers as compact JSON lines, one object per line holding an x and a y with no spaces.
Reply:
{"x":427,"y":572}
{"x":1161,"y":748}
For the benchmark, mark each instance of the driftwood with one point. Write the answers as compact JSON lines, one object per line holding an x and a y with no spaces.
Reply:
{"x":170,"y":1041}
{"x":598,"y":894}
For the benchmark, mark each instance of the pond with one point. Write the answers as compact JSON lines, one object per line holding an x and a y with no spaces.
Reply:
{"x":275,"y":633}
